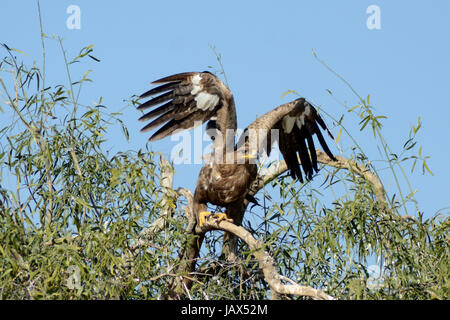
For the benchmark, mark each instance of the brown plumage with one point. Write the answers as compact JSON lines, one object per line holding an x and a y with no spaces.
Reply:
{"x":192,"y":98}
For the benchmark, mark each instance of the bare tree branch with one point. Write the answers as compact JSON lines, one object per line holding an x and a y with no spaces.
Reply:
{"x":167,"y":205}
{"x":266,"y":263}
{"x":278,"y":168}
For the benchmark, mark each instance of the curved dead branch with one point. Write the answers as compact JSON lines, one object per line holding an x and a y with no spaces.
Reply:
{"x":280,"y":167}
{"x":169,"y":197}
{"x":188,"y":255}
{"x":266,"y":263}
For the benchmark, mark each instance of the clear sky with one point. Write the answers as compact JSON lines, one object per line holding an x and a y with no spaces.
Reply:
{"x":266,"y":49}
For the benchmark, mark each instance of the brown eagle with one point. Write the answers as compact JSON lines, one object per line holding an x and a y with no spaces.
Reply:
{"x":192,"y":98}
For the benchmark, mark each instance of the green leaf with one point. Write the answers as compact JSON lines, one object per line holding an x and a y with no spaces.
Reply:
{"x":366,"y":121}
{"x":419,"y":125}
{"x":353,"y":108}
{"x":125,"y":132}
{"x":414,"y":165}
{"x":82,"y":202}
{"x":426,"y":167}
{"x":338,"y":135}
{"x":286,"y":93}
{"x":19,"y":51}
{"x":86,"y":74}
{"x":94,"y":58}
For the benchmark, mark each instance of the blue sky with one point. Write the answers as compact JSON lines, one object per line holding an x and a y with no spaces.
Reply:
{"x":266,"y":49}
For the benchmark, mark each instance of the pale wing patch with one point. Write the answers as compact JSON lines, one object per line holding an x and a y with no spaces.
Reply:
{"x":196,"y":79}
{"x":206,"y":101}
{"x":301,"y":120}
{"x":197,"y":86}
{"x":288,"y":123}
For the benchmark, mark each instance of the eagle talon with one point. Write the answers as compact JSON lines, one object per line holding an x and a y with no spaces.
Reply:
{"x":218,"y":216}
{"x":222,"y":216}
{"x":202,"y":217}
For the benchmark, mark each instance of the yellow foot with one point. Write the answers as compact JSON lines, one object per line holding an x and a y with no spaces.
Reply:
{"x":219,"y":216}
{"x":222,"y":216}
{"x":202,"y":217}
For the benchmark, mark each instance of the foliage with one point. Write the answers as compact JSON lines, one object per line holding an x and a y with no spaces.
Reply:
{"x":70,"y":212}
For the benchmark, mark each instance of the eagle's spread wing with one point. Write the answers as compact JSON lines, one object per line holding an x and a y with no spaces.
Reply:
{"x":296,"y":122}
{"x":189,"y":98}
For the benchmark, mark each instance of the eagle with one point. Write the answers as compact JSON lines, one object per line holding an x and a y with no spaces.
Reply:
{"x":185,"y":100}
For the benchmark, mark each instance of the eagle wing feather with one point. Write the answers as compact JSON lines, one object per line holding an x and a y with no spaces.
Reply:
{"x":190,"y":99}
{"x":296,"y":123}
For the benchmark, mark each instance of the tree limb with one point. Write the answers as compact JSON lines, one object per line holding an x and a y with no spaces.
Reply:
{"x":266,"y":263}
{"x":168,"y":198}
{"x":279,"y":167}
